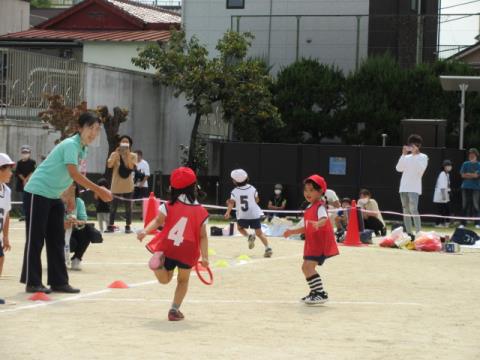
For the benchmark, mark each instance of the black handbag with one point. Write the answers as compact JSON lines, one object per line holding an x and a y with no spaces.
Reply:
{"x":123,"y":170}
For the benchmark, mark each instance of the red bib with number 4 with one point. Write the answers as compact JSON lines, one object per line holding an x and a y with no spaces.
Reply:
{"x":180,"y":237}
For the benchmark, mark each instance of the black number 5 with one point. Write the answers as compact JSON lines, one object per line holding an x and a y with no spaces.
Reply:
{"x":244,"y":202}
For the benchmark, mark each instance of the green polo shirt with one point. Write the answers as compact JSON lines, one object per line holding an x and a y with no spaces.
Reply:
{"x":51,"y":178}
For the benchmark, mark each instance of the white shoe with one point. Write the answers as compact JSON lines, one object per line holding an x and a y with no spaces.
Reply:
{"x":76,"y":264}
{"x":477,"y":226}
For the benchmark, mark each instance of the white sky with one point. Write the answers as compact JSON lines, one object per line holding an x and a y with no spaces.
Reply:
{"x":463,"y":31}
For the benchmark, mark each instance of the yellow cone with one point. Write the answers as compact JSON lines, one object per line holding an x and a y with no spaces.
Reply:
{"x":244,"y":257}
{"x":212,"y":252}
{"x":221,"y":264}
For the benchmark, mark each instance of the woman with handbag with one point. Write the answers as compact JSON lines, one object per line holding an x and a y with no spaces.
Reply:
{"x":122,"y":162}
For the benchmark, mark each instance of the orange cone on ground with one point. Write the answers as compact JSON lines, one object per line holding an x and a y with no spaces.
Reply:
{"x":118,"y":284}
{"x":151,"y":211}
{"x":353,"y":235}
{"x":39,"y":296}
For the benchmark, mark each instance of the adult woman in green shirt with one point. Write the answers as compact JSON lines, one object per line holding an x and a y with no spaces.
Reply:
{"x":45,"y":209}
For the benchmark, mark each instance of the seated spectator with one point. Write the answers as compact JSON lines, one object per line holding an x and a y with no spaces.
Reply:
{"x":372,"y":218}
{"x":277,"y":202}
{"x":341,"y":218}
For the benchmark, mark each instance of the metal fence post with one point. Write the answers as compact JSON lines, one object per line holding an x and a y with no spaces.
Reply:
{"x":357,"y":45}
{"x":298,"y":38}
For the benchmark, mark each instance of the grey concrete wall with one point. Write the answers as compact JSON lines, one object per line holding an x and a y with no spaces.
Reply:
{"x":157,"y":122}
{"x":15,"y":133}
{"x":14,"y":16}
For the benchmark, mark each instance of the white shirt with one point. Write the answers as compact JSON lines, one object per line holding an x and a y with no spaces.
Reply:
{"x":412,"y":168}
{"x":321,"y":213}
{"x":443,"y":183}
{"x":246,"y":203}
{"x":5,"y":206}
{"x":331,"y":197}
{"x":145,"y":169}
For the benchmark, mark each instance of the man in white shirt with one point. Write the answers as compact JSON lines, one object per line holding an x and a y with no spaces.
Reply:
{"x":142,"y":173}
{"x":412,"y":164}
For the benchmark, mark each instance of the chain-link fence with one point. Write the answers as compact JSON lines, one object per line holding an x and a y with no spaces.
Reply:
{"x":25,"y":77}
{"x":345,"y":40}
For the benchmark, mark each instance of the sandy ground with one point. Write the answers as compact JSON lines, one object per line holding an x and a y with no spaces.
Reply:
{"x":385,"y":304}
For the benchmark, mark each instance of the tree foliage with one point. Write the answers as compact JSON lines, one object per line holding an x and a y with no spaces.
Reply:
{"x":41,"y":3}
{"x":241,"y":85}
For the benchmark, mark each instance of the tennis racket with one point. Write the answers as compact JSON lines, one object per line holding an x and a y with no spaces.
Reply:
{"x":204,"y":273}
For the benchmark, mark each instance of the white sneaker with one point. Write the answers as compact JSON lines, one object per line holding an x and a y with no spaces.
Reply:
{"x":76,"y":264}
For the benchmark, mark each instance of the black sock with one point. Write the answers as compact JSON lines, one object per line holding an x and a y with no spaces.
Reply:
{"x":315,"y":283}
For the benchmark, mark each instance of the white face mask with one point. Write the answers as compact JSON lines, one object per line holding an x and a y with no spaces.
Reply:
{"x":125,"y":145}
{"x":277,"y":191}
{"x":25,"y":156}
{"x":448,"y":168}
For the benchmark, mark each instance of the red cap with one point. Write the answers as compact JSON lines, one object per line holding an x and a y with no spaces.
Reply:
{"x":320,"y":181}
{"x":182,"y":177}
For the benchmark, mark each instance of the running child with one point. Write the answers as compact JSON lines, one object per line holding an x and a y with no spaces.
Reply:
{"x":245,"y":199}
{"x":6,"y":165}
{"x":183,"y":237}
{"x":319,"y":238}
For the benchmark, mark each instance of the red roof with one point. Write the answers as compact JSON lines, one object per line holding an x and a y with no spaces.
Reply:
{"x":89,"y":35}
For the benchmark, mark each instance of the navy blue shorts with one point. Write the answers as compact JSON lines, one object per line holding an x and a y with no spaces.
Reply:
{"x":1,"y":249}
{"x":249,"y":223}
{"x":171,"y":264}
{"x":319,"y":259}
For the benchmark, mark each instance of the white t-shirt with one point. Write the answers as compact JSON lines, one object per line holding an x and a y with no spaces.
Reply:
{"x":412,"y":168}
{"x":144,"y":168}
{"x":245,"y":202}
{"x":321,"y":213}
{"x":443,"y":182}
{"x":331,"y":197}
{"x":5,"y":206}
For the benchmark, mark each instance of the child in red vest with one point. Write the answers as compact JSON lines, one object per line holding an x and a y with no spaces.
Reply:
{"x":320,"y":241}
{"x":183,"y":238}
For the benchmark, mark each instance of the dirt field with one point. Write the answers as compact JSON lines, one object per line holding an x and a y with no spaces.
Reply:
{"x":385,"y":304}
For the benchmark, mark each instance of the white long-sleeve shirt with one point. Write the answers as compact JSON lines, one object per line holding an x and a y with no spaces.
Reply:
{"x":412,"y":168}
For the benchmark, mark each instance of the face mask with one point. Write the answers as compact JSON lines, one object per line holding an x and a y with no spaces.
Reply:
{"x":448,"y":168}
{"x":278,"y":192}
{"x":125,"y":145}
{"x":25,"y":156}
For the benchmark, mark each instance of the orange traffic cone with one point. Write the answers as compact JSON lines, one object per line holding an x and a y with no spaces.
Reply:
{"x":118,"y":284}
{"x":353,"y":236}
{"x":150,"y":211}
{"x":39,"y":296}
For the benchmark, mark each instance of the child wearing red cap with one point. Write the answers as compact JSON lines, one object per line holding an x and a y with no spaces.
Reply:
{"x":183,"y":238}
{"x":320,"y":241}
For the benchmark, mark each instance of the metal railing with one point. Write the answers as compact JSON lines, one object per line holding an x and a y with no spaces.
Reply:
{"x":25,"y":77}
{"x":346,"y":40}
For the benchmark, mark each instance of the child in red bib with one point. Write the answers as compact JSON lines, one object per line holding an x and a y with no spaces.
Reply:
{"x":320,"y":241}
{"x":183,"y":238}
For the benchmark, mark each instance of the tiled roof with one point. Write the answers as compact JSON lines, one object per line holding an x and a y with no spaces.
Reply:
{"x":85,"y":35}
{"x":147,"y":14}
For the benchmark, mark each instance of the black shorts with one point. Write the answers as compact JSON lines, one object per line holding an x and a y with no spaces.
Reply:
{"x":250,"y":223}
{"x":171,"y":264}
{"x":1,"y":249}
{"x":140,"y":193}
{"x":319,"y":259}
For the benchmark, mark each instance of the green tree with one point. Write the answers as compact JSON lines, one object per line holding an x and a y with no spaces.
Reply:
{"x":238,"y":83}
{"x":308,"y":95}
{"x":41,"y":3}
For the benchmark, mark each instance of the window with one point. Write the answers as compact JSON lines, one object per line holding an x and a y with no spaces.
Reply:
{"x":413,"y":5}
{"x":235,"y":4}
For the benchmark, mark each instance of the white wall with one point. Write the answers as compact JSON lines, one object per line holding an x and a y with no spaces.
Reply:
{"x":115,"y":54}
{"x":14,"y":16}
{"x":330,"y":39}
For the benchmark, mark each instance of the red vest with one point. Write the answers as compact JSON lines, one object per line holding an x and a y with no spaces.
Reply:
{"x":321,"y":241}
{"x":180,"y":237}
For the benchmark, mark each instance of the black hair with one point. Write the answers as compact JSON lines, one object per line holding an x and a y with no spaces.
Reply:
{"x":3,"y":167}
{"x":125,"y":137}
{"x":415,"y":139}
{"x":365,"y":192}
{"x":240,"y":184}
{"x":189,"y":191}
{"x":77,"y":190}
{"x":88,"y":119}
{"x":346,"y":200}
{"x":314,"y":184}
{"x":102,"y":182}
{"x":139,"y":152}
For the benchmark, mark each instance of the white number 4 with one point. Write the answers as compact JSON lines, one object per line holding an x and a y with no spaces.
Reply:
{"x":176,"y":232}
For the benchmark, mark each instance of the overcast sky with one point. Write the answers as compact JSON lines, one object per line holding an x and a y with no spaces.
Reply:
{"x":463,"y":31}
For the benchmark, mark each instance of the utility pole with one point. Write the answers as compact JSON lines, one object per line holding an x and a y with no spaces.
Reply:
{"x":419,"y":33}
